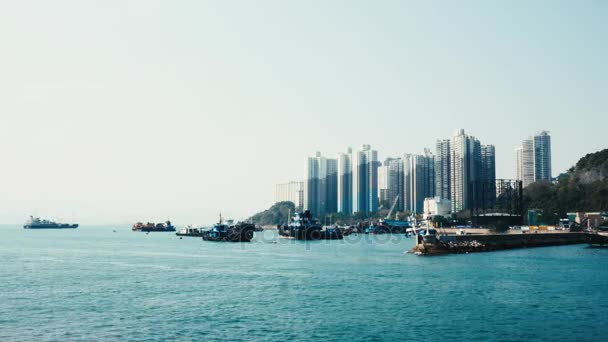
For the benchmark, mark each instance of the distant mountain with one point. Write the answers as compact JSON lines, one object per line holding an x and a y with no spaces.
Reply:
{"x":583,"y":188}
{"x":277,"y":214}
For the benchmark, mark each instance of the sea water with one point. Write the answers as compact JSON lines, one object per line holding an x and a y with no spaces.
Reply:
{"x":108,"y":283}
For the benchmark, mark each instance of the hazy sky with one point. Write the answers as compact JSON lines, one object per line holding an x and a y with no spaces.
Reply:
{"x":117,"y":111}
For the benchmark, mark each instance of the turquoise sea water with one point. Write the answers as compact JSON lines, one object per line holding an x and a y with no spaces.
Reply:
{"x":93,"y":284}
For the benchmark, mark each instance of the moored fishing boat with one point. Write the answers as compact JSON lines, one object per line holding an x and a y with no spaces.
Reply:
{"x":229,"y":232}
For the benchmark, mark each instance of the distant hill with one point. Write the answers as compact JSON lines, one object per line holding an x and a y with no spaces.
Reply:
{"x":583,"y":188}
{"x":277,"y":214}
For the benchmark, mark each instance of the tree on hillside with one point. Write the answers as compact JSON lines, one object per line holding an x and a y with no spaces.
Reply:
{"x":277,"y":214}
{"x":583,"y":188}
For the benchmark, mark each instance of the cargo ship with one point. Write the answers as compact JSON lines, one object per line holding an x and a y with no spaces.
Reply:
{"x":153,"y":227}
{"x":229,"y":232}
{"x":304,"y":227}
{"x":37,"y":223}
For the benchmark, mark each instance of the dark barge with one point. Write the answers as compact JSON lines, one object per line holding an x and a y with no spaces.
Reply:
{"x":228,"y":232}
{"x":429,"y":242}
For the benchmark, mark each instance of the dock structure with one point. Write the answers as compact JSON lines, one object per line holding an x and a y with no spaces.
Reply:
{"x":432,"y":243}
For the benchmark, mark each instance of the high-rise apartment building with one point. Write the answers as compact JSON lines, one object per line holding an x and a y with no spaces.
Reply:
{"x":442,"y":169}
{"x":321,"y":185}
{"x":395,"y":179}
{"x":390,"y":182}
{"x":383,"y":183}
{"x":419,"y":180}
{"x":365,"y":180}
{"x":519,"y":163}
{"x":465,"y":165}
{"x":525,"y":162}
{"x":345,"y":182}
{"x":331,"y":187}
{"x":290,"y":192}
{"x":542,"y":156}
{"x":487,"y":175}
{"x":488,"y":163}
{"x":533,"y":159}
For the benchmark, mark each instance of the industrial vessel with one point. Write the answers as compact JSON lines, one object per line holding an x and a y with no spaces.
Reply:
{"x":229,"y":232}
{"x":37,"y":223}
{"x":304,"y":227}
{"x":153,"y":227}
{"x":388,"y":226}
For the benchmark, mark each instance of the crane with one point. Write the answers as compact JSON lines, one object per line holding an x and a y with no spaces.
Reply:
{"x":390,"y":212}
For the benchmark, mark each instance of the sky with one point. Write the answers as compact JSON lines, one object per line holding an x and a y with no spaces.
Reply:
{"x":113,"y":112}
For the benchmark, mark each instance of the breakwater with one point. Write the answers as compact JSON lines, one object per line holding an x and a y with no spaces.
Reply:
{"x":433,"y":244}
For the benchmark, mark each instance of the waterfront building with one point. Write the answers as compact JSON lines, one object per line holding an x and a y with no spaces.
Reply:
{"x":321,"y":185}
{"x":290,"y":192}
{"x":345,"y":182}
{"x":419,"y":180}
{"x":442,"y":169}
{"x":434,"y":206}
{"x":365,"y":180}
{"x":533,"y":159}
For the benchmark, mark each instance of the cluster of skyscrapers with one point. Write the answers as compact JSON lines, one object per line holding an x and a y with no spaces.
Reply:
{"x":460,"y":161}
{"x":356,"y":181}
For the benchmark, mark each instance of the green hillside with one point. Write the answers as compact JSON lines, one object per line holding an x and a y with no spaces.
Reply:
{"x":277,"y":214}
{"x":583,"y":188}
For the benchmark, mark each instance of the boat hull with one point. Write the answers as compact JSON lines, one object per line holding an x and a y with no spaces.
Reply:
{"x":238,"y":233}
{"x":435,"y":244}
{"x":195,"y":234}
{"x":50,"y":226}
{"x":148,"y":230}
{"x":313,"y":233}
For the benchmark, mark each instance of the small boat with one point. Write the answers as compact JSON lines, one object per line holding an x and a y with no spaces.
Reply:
{"x":190,"y":231}
{"x":376,"y":229}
